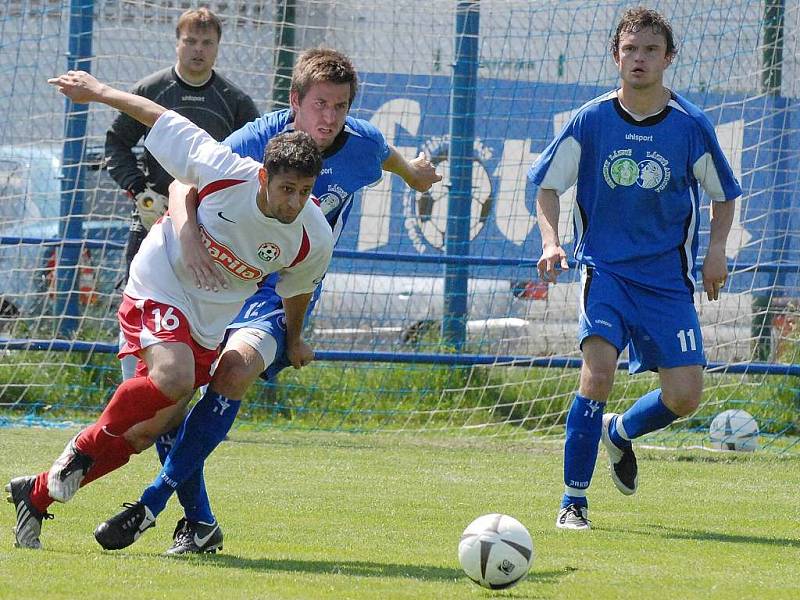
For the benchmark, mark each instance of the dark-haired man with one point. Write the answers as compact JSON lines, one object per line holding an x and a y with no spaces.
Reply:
{"x":254,"y":220}
{"x":355,"y":153}
{"x":192,"y":88}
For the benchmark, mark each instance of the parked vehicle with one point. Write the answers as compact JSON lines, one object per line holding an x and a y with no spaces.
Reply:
{"x":31,"y":224}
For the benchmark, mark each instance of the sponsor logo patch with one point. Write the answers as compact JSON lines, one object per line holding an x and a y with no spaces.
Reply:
{"x":228,"y":260}
{"x":269,"y":251}
{"x":651,"y":173}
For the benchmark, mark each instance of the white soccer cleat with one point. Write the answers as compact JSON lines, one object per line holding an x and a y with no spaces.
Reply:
{"x":574,"y":517}
{"x":65,"y":476}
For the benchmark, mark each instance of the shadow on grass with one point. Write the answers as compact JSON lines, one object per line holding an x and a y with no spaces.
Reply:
{"x":678,"y":533}
{"x":356,"y":568}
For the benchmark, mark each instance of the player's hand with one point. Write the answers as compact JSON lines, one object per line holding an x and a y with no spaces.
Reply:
{"x":194,"y":252}
{"x":78,"y":86}
{"x":553,"y":260}
{"x":424,"y":174}
{"x":299,"y":353}
{"x":715,"y":271}
{"x":151,"y":206}
{"x":199,"y":262}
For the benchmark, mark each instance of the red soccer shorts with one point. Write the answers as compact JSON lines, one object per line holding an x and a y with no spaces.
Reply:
{"x":146,"y":322}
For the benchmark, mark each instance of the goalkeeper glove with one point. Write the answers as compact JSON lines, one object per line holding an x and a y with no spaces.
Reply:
{"x":151,"y":206}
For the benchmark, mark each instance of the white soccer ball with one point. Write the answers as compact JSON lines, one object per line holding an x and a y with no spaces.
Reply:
{"x":734,"y":429}
{"x":495,"y":551}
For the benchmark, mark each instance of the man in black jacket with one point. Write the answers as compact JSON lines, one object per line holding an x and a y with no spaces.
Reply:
{"x":192,"y":88}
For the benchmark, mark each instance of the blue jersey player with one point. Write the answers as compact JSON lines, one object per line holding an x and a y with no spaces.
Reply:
{"x":639,"y":156}
{"x":355,"y":154}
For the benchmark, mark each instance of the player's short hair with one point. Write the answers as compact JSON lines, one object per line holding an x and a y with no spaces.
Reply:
{"x":199,"y":18}
{"x":635,"y":19}
{"x":323,"y":65}
{"x":293,"y":151}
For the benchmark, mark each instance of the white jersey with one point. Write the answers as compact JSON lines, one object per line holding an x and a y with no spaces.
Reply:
{"x":245,"y":244}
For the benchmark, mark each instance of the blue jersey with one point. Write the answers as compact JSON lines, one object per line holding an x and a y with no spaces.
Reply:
{"x":638,"y":188}
{"x":353,"y":161}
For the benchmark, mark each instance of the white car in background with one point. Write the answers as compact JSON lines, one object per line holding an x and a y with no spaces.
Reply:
{"x":30,"y":189}
{"x":30,"y":207}
{"x":380,"y":312}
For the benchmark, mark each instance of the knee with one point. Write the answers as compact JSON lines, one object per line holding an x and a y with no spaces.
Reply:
{"x":143,"y":435}
{"x":175,"y":381}
{"x":682,"y":402}
{"x":234,"y":375}
{"x":596,"y":384}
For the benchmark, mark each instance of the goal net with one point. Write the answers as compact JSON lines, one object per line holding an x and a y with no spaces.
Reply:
{"x":384,"y":363}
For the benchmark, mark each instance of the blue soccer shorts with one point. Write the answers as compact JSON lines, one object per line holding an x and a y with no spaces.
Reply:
{"x":660,"y":331}
{"x":264,"y":311}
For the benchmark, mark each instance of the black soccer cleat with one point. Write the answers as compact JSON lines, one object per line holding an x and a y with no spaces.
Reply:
{"x":121,"y":530}
{"x":621,"y":461}
{"x":29,"y":519}
{"x":191,"y":537}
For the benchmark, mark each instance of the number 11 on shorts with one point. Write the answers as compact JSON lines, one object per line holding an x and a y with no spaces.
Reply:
{"x":686,"y":338}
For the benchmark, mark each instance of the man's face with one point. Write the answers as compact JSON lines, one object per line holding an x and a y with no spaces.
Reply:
{"x":322,"y":111}
{"x":284,"y":194}
{"x":197,"y":51}
{"x":642,"y":58}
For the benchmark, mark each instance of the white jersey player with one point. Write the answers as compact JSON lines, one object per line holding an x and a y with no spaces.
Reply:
{"x":256,"y":221}
{"x":246,"y":244}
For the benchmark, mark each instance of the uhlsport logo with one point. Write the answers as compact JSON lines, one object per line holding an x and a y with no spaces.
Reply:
{"x":228,"y":260}
{"x":269,"y":251}
{"x":621,"y":169}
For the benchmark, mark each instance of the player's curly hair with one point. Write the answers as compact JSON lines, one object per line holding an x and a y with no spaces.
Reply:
{"x":635,"y":19}
{"x":323,"y":65}
{"x":293,"y":151}
{"x":199,"y":18}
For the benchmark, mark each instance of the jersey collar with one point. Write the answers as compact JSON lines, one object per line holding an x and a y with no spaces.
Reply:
{"x":651,"y":120}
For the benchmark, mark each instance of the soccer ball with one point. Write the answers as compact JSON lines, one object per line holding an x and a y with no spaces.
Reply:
{"x":495,"y":551}
{"x":734,"y":429}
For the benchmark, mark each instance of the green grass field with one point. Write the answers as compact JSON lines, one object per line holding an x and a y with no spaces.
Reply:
{"x":313,"y":515}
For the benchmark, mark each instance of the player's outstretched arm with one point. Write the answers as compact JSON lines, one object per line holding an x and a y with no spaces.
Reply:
{"x":418,"y":173}
{"x":298,"y":351}
{"x":715,"y":265}
{"x":183,"y":214}
{"x":81,"y":87}
{"x":553,"y":255}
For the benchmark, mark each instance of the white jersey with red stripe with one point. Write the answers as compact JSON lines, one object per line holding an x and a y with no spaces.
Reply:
{"x":245,"y":244}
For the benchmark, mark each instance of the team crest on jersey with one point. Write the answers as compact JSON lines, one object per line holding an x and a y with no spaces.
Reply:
{"x":226,"y":258}
{"x":332,"y":199}
{"x":269,"y":251}
{"x":652,"y":173}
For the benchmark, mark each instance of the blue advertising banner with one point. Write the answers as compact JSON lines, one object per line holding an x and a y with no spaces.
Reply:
{"x":514,"y":122}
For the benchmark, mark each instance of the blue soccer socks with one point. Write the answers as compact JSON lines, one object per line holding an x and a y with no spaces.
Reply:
{"x":648,"y":413}
{"x":201,"y":432}
{"x":192,"y":493}
{"x":584,"y":426}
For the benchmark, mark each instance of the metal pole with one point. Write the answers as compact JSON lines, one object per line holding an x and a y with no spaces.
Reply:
{"x":462,"y":141}
{"x":78,"y":58}
{"x":284,"y":52}
{"x":771,"y":76}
